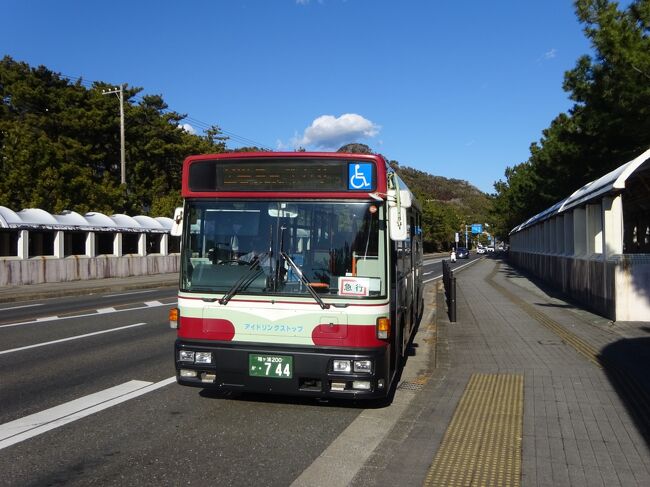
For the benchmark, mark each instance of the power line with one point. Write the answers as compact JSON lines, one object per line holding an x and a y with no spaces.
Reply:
{"x":193,"y":121}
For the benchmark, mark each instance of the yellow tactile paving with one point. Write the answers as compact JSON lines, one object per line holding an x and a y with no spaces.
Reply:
{"x":482,"y":445}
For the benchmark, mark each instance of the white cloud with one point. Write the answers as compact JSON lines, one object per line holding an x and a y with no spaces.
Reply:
{"x":188,"y":128}
{"x":550,"y":54}
{"x":280,"y":146}
{"x":547,"y":56}
{"x":329,"y":132}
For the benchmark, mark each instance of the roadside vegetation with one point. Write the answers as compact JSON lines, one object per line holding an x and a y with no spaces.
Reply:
{"x":60,"y":142}
{"x":60,"y":150}
{"x":608,"y":125}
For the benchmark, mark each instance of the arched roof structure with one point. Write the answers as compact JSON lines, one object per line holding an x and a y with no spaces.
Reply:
{"x":612,"y":182}
{"x":35,"y":218}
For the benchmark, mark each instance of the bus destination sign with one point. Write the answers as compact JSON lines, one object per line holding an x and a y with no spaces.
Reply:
{"x":255,"y":175}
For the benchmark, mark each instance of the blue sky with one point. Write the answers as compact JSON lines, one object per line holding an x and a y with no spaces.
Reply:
{"x":456,"y":89}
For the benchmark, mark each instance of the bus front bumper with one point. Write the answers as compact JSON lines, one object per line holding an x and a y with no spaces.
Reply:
{"x":314,"y":372}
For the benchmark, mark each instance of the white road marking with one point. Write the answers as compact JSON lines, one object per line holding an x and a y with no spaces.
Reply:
{"x":46,"y":318}
{"x":127,"y":294}
{"x":77,"y":337}
{"x":24,"y":428}
{"x":457,"y":268}
{"x":106,"y":310}
{"x":23,"y":306}
{"x":94,"y":313}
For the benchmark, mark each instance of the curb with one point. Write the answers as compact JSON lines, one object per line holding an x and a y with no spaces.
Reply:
{"x":79,"y":288}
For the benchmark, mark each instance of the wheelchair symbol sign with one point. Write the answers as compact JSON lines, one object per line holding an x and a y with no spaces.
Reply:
{"x":359,"y":176}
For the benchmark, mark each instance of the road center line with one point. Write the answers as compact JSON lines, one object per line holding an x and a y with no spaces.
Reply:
{"x":23,"y":306}
{"x":151,"y":304}
{"x":43,"y":344}
{"x":127,"y":294}
{"x":24,"y":428}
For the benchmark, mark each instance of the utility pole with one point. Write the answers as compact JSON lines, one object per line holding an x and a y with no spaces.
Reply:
{"x":120,"y":94}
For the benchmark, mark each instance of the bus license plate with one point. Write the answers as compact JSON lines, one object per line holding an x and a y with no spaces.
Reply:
{"x":277,"y":366}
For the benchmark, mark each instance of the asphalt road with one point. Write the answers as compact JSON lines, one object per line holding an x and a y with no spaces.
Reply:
{"x":97,"y":373}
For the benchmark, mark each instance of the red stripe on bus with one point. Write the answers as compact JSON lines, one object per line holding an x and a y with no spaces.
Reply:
{"x":346,"y":336}
{"x":206,"y":328}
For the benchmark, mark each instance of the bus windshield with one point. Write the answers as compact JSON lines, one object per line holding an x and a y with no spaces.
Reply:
{"x":284,"y":247}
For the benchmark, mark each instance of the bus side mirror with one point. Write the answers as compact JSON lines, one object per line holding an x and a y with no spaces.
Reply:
{"x":177,"y":224}
{"x":398,"y":227}
{"x":405,"y":198}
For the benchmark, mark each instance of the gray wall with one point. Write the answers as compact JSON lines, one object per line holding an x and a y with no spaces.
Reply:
{"x":617,"y":288}
{"x":51,"y":269}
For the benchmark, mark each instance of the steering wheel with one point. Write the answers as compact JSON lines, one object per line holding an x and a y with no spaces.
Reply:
{"x":234,"y":262}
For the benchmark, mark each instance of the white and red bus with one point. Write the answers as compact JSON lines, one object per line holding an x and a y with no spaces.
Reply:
{"x":300,"y":274}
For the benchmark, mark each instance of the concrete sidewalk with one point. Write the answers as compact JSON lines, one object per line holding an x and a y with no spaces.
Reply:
{"x":585,"y":402}
{"x":91,"y":286}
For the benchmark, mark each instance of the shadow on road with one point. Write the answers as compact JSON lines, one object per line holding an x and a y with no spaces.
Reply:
{"x":315,"y":401}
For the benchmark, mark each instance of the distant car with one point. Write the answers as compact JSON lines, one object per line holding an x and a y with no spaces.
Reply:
{"x":462,"y":253}
{"x":490,"y":249}
{"x":481,"y":250}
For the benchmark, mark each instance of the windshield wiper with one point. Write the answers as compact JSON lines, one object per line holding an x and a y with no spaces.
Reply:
{"x":248,"y":277}
{"x":305,"y":281}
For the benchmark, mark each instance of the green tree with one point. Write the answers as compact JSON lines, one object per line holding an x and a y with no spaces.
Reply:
{"x":608,"y":125}
{"x":440,"y":222}
{"x":60,"y":147}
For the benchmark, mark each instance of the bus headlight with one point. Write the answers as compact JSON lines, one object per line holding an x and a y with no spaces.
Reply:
{"x":203,"y":357}
{"x":342,"y":366}
{"x":185,"y":356}
{"x":364,"y":366}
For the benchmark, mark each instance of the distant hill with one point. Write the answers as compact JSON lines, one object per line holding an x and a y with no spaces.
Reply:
{"x":449,"y":206}
{"x":465,"y":203}
{"x":438,"y":188}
